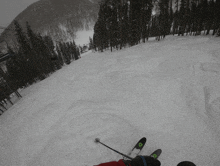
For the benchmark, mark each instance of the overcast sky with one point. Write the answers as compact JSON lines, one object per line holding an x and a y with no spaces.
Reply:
{"x":9,"y":9}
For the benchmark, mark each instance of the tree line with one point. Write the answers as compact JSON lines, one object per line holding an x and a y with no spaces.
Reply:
{"x":34,"y":58}
{"x":197,"y":16}
{"x":128,"y":22}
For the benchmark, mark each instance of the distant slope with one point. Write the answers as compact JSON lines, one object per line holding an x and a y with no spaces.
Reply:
{"x":58,"y":18}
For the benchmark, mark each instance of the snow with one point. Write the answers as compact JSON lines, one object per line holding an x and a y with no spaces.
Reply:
{"x":167,"y":91}
{"x":82,"y":37}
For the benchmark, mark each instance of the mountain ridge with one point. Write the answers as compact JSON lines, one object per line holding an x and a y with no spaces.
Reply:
{"x":48,"y":16}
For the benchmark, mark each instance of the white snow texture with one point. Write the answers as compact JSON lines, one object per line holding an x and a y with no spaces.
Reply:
{"x":166,"y":91}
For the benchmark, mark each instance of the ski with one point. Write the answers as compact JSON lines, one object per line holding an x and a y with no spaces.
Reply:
{"x":137,"y":148}
{"x":156,"y":153}
{"x":188,"y":163}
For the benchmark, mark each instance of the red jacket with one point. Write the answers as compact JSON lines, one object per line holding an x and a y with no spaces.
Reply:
{"x":113,"y":163}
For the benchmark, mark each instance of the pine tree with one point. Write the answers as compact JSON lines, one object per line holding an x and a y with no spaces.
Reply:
{"x":198,"y":19}
{"x":75,"y":53}
{"x":78,"y":53}
{"x":171,"y":17}
{"x":69,"y":52}
{"x":10,"y":63}
{"x":146,"y":11}
{"x":47,"y":47}
{"x":13,"y":86}
{"x":125,"y":25}
{"x":203,"y":15}
{"x":90,"y":43}
{"x":59,"y":55}
{"x":193,"y":17}
{"x":63,"y":48}
{"x":48,"y":43}
{"x":36,"y":56}
{"x":100,"y":32}
{"x":16,"y":69}
{"x":176,"y":17}
{"x":177,"y":5}
{"x":210,"y":16}
{"x":24,"y":53}
{"x":120,"y":23}
{"x":188,"y":20}
{"x":216,"y":25}
{"x":164,"y":17}
{"x":95,"y":40}
{"x":154,"y":26}
{"x":113,"y":25}
{"x":182,"y":17}
{"x":135,"y":23}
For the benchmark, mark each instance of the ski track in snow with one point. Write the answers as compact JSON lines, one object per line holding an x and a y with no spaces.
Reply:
{"x":167,"y":91}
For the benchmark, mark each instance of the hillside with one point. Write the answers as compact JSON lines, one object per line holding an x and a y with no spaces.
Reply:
{"x":59,"y":18}
{"x":167,"y":91}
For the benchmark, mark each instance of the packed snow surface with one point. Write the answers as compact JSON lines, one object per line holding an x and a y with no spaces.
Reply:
{"x":167,"y":91}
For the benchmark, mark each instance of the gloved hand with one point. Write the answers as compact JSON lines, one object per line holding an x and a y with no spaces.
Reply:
{"x":139,"y":161}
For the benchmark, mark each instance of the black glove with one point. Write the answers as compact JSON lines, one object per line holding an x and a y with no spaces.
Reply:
{"x":139,"y":161}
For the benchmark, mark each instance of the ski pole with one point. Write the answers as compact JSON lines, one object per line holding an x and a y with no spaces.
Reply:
{"x":97,"y":140}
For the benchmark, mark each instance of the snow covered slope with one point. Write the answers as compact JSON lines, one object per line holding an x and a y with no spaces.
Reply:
{"x":167,"y":91}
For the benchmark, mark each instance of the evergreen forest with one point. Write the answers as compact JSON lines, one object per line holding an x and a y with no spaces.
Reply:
{"x":128,"y":22}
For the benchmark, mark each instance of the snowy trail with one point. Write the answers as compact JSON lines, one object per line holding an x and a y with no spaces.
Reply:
{"x":167,"y":91}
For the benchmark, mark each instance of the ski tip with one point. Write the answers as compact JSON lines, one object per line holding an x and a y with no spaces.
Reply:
{"x":140,"y":144}
{"x":186,"y":163}
{"x":156,"y":153}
